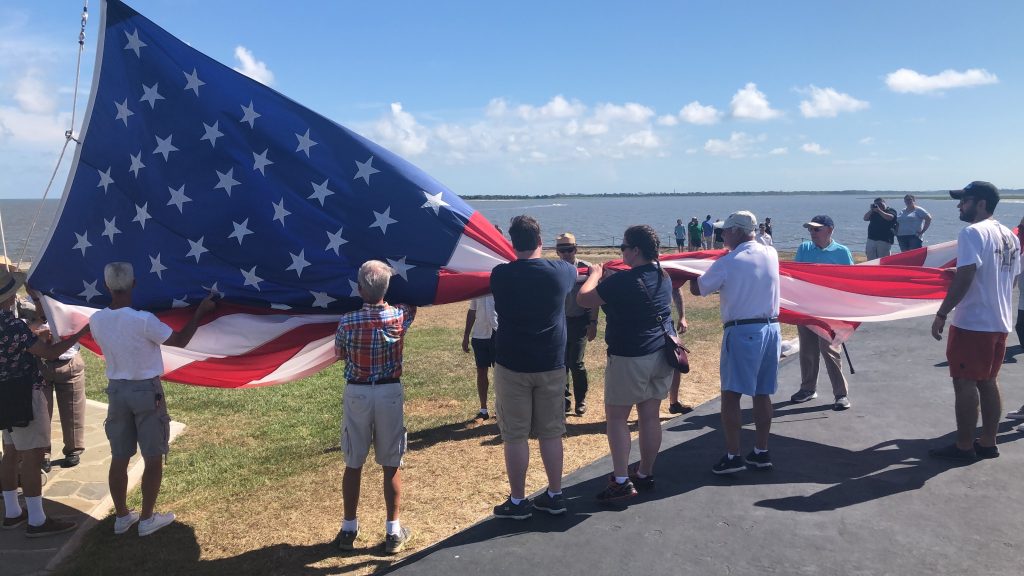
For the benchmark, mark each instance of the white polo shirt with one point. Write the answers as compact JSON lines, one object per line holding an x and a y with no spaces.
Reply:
{"x":748,"y":280}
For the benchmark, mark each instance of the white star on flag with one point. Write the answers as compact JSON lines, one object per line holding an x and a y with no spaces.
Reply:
{"x":164,"y":146}
{"x":364,"y":170}
{"x":105,"y":180}
{"x":279,"y":211}
{"x":298,"y":262}
{"x":241,"y":230}
{"x":141,"y":215}
{"x":196,"y":250}
{"x":434,"y":201}
{"x":321,"y":299}
{"x":136,"y":164}
{"x":226,"y":180}
{"x":149,"y":94}
{"x":123,"y":112}
{"x":355,"y":289}
{"x":193,"y":82}
{"x":179,"y":303}
{"x":110,"y":228}
{"x":134,"y":43}
{"x":90,"y":290}
{"x":212,"y":133}
{"x":320,"y":191}
{"x":401,"y":268}
{"x":156,"y":267}
{"x":83,"y":242}
{"x":178,"y":198}
{"x":305,"y":142}
{"x":260,"y":161}
{"x":382,"y":220}
{"x":335,"y":241}
{"x":212,"y":289}
{"x":249,"y":114}
{"x":251,"y":279}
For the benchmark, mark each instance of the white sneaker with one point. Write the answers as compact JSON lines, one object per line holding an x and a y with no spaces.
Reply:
{"x":1020,"y":428}
{"x":1016,"y":415}
{"x":154,"y":523}
{"x":123,"y":523}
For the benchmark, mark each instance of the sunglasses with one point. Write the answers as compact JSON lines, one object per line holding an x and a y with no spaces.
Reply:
{"x":566,"y":250}
{"x":622,"y":247}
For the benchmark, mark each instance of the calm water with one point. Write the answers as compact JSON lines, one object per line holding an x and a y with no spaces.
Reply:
{"x":601,"y":221}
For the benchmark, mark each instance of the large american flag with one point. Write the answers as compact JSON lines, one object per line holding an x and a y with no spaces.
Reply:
{"x":207,"y":180}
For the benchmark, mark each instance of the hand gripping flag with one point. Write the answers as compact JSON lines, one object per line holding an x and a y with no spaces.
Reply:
{"x":206,"y":180}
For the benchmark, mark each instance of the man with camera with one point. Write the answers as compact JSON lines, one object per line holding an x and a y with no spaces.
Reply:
{"x":881,"y":229}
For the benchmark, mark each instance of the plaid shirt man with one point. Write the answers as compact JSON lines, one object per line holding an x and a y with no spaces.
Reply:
{"x":370,"y":340}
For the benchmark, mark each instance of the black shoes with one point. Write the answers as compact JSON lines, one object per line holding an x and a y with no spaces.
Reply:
{"x":46,"y":467}
{"x":641,"y":484}
{"x":762,"y":461}
{"x":729,"y":465}
{"x":70,"y":461}
{"x":520,"y":511}
{"x":554,"y":505}
{"x":954,"y":454}
{"x":985,"y":452}
{"x":581,"y":408}
{"x":615,"y":491}
{"x":677,"y":408}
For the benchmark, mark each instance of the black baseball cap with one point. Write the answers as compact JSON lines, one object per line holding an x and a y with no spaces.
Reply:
{"x":980,"y":190}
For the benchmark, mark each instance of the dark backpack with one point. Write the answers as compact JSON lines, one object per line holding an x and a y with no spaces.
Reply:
{"x":16,"y":401}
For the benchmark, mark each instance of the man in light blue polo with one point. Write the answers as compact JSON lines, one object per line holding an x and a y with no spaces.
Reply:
{"x":821,"y":249}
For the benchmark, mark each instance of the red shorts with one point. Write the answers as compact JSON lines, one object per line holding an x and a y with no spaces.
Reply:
{"x":975,"y":355}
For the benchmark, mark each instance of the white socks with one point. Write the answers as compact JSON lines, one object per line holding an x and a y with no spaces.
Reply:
{"x":36,"y":516}
{"x":759,"y":451}
{"x":621,"y":479}
{"x":11,"y":505}
{"x":350,"y":525}
{"x":393,"y":528}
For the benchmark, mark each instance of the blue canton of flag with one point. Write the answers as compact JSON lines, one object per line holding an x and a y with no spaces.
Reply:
{"x":205,"y":179}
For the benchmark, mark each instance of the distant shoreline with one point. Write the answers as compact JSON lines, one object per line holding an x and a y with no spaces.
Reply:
{"x":1009,"y":194}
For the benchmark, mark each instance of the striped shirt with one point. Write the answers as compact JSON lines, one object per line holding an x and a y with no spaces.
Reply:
{"x":370,"y":340}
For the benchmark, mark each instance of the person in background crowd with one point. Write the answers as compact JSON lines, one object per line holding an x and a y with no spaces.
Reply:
{"x":529,"y":372}
{"x":371,"y":340}
{"x":65,"y":377}
{"x":580,"y":328}
{"x":747,"y":279}
{"x":987,"y":265}
{"x":762,"y":236}
{"x":481,"y":323}
{"x":911,"y":224}
{"x":707,"y":228}
{"x":1018,"y":414}
{"x":719,"y":241}
{"x":136,"y":406}
{"x":680,"y":233}
{"x":821,"y":249}
{"x":881,"y":229}
{"x":638,"y":373}
{"x":674,"y":405}
{"x":695,"y":234}
{"x":768,"y":227}
{"x":23,"y":400}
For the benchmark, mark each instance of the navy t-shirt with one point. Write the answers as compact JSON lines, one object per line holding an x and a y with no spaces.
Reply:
{"x":631,"y":330}
{"x":529,"y":297}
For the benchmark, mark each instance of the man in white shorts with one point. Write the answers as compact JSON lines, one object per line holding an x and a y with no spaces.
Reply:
{"x":137,"y":410}
{"x":748,"y":280}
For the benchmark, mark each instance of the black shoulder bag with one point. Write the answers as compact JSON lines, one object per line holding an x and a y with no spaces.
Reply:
{"x":16,"y":401}
{"x":675,"y":352}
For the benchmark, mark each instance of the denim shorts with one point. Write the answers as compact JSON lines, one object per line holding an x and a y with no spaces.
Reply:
{"x":750,"y":359}
{"x":137,"y":416}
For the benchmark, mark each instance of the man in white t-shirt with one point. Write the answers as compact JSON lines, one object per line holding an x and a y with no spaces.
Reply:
{"x":481,"y":322}
{"x":137,"y":411}
{"x":748,"y":281}
{"x":988,"y":262}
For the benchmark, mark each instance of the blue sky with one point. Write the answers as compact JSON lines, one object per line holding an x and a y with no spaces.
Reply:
{"x":589,"y":97}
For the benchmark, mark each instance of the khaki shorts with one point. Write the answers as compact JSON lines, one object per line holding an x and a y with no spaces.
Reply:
{"x":529,"y":403}
{"x":630,"y":380}
{"x":137,"y":415}
{"x":37,"y":433}
{"x":373,"y":413}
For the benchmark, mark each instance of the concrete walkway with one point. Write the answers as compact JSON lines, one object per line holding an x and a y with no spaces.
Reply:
{"x":78,"y":493}
{"x":852,"y":492}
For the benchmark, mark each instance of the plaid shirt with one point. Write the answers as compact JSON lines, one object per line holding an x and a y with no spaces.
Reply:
{"x":370,"y":340}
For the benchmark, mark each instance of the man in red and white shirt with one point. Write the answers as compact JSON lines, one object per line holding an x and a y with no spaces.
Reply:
{"x":370,"y":340}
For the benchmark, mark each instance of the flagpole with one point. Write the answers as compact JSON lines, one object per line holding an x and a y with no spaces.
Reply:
{"x":848,"y":361}
{"x":3,"y":238}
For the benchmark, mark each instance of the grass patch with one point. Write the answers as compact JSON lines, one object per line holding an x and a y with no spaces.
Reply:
{"x":255,"y":479}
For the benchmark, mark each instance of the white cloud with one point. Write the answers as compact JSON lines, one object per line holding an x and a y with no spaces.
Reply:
{"x":667,"y":120}
{"x":779,"y":151}
{"x":737,"y":146}
{"x":643,"y":139}
{"x":628,"y":112}
{"x":402,"y":133}
{"x":867,"y":140}
{"x":695,"y":113}
{"x":557,"y":107}
{"x":691,"y":150}
{"x":33,"y":95}
{"x":750,"y":103}
{"x":828,"y":103}
{"x":251,"y":67}
{"x":906,"y":80}
{"x":21,"y":127}
{"x":814,"y":148}
{"x":595,"y":128}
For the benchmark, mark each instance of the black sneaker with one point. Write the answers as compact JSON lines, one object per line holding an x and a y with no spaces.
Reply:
{"x":70,"y":461}
{"x":641,"y":484}
{"x":553,"y":505}
{"x":581,"y":408}
{"x":803,"y":396}
{"x":729,"y":465}
{"x":615,"y":491}
{"x":985,"y":451}
{"x":52,"y":526}
{"x":481,"y":417}
{"x":346,"y":540}
{"x":677,"y":408}
{"x":953,"y":454}
{"x":520,"y":511}
{"x":762,"y":461}
{"x":395,"y":543}
{"x":46,"y":467}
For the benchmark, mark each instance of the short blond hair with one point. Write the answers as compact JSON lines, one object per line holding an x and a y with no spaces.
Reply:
{"x":374,"y":279}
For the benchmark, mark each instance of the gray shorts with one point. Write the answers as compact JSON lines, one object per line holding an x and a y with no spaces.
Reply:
{"x":137,"y":415}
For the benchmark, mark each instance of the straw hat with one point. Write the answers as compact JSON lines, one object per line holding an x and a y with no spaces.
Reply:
{"x":10,"y":282}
